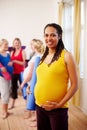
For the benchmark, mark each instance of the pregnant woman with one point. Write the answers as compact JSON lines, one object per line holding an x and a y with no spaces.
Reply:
{"x":51,"y":91}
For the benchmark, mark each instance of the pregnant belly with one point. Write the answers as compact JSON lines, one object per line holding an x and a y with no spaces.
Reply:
{"x":43,"y":96}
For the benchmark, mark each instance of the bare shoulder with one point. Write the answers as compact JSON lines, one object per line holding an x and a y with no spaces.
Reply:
{"x":23,"y":51}
{"x":11,"y":52}
{"x":24,"y":54}
{"x":69,"y":57}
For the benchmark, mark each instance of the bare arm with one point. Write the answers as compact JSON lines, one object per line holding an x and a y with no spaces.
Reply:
{"x":71,"y":66}
{"x":29,"y":74}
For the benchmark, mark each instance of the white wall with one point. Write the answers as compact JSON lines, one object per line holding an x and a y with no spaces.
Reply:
{"x":25,"y":18}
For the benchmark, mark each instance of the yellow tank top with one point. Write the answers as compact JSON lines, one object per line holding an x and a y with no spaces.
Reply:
{"x":52,"y":81}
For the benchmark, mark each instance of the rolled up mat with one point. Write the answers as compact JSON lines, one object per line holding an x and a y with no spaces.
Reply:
{"x":30,"y":98}
{"x":24,"y":94}
{"x":21,"y":76}
{"x":24,"y":91}
{"x":6,"y":75}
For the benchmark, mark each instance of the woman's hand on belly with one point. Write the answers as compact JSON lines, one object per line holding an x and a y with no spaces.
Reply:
{"x":50,"y":105}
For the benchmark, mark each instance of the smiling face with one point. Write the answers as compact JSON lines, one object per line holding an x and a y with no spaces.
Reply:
{"x":51,"y":37}
{"x":17,"y":43}
{"x":4,"y":45}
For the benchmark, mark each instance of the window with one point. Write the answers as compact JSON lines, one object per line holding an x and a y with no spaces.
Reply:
{"x":67,"y":25}
{"x":82,"y":41}
{"x":68,"y":32}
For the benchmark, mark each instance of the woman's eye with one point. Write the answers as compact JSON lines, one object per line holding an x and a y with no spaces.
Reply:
{"x":53,"y":35}
{"x":46,"y":35}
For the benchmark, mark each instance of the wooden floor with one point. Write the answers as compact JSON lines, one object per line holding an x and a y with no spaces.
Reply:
{"x":77,"y":119}
{"x":15,"y":121}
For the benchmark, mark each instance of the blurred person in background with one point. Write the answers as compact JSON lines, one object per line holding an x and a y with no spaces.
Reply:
{"x":38,"y":48}
{"x":6,"y":70}
{"x":18,"y":58}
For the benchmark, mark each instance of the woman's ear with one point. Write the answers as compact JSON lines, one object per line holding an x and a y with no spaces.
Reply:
{"x":60,"y":36}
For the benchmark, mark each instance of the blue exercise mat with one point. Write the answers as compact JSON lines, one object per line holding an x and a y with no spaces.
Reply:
{"x":24,"y":94}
